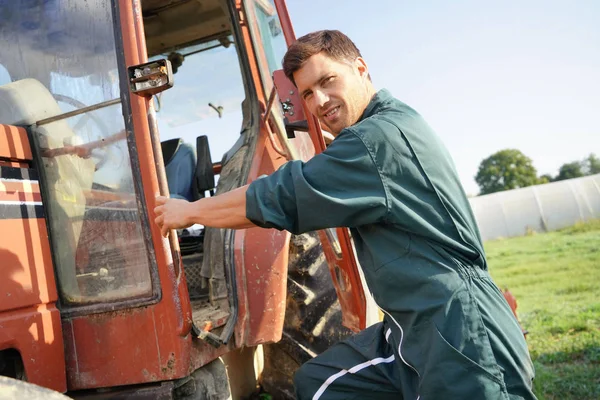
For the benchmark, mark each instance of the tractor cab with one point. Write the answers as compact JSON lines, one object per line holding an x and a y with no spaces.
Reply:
{"x":98,"y":301}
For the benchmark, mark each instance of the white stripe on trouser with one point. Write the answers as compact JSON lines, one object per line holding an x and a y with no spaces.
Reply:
{"x":352,"y":370}
{"x":387,"y":334}
{"x":355,"y":369}
{"x":401,"y":338}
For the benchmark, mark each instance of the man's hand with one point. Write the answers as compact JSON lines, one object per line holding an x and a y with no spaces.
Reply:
{"x":172,"y":214}
{"x":227,"y":210}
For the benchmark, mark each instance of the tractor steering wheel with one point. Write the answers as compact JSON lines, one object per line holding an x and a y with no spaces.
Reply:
{"x":100,"y":155}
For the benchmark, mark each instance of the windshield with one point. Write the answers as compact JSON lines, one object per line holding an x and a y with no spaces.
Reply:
{"x":206,"y":98}
{"x":59,"y":56}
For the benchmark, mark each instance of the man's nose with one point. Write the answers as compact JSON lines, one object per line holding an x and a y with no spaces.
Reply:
{"x":321,"y":98}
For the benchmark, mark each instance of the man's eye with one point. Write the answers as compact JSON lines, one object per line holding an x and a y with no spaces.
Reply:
{"x":329,"y":80}
{"x":307,"y":95}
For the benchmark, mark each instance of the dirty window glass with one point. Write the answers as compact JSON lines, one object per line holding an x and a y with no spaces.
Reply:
{"x":67,"y":45}
{"x":268,"y":37}
{"x":271,"y":33}
{"x":60,"y":56}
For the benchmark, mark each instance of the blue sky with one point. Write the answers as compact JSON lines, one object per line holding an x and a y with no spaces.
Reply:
{"x":486,"y":75}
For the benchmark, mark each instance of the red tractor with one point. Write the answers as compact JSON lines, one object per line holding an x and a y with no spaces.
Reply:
{"x":94,"y":302}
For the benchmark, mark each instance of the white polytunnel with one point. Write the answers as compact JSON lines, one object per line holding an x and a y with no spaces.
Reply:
{"x":539,"y":208}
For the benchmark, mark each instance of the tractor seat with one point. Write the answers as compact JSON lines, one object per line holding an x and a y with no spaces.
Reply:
{"x":180,"y":165}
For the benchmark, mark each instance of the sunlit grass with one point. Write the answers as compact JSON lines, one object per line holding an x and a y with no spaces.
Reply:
{"x":556,"y":280}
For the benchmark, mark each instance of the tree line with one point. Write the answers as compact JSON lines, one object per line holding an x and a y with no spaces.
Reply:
{"x":511,"y":169}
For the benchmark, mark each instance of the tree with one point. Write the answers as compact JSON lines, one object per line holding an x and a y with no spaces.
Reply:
{"x":570,"y":170}
{"x":591,"y":165}
{"x":546,"y":178}
{"x":505,"y":170}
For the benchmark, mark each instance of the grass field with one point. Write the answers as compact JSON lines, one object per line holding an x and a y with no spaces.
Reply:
{"x":556,"y":280}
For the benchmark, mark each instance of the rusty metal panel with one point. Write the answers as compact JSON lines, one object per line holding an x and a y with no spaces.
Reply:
{"x":265,"y":262}
{"x":26,"y":265}
{"x":261,"y":264}
{"x":289,"y":97}
{"x":19,"y":198}
{"x":122,"y":348}
{"x":35,"y":332}
{"x":16,"y":164}
{"x":29,"y":320}
{"x":14,"y":144}
{"x":130,"y":347}
{"x":25,"y":251}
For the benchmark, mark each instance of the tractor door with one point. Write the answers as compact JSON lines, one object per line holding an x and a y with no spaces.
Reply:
{"x":119,"y":288}
{"x":273,"y":26}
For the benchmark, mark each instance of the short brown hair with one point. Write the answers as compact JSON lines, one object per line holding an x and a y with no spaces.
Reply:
{"x":334,"y":44}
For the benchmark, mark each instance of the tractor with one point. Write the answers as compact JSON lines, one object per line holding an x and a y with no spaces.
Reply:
{"x":105,"y":104}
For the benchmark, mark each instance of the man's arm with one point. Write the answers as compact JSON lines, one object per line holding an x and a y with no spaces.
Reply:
{"x":338,"y":187}
{"x":227,"y":210}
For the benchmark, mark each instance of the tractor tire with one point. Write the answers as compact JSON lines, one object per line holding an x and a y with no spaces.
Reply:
{"x":207,"y":383}
{"x":313,"y":318}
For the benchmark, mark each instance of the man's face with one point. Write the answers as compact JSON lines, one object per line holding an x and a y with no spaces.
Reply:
{"x":336,"y":92}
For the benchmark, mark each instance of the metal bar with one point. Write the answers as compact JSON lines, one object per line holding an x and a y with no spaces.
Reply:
{"x":229,"y":236}
{"x":289,"y":152}
{"x":202,"y":50}
{"x":267,"y":112}
{"x":276,"y":147}
{"x":286,"y":22}
{"x":151,"y":168}
{"x":84,"y":150}
{"x":78,"y":112}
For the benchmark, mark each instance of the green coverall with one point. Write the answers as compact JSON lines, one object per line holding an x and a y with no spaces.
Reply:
{"x":448,"y":332}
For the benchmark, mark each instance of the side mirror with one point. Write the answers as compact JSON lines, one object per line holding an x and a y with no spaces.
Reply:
{"x":150,"y":78}
{"x":295,"y":120}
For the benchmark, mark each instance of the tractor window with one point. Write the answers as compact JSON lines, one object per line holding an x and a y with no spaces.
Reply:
{"x":268,"y":35}
{"x":67,"y":47}
{"x":61,"y":57}
{"x":206,"y":98}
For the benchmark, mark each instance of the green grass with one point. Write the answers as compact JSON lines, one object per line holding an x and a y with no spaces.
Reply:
{"x":556,"y":279}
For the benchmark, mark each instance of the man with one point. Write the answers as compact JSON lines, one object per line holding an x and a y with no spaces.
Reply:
{"x":447,"y":331}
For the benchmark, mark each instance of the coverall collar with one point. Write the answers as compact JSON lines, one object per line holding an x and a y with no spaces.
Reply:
{"x":376,"y":104}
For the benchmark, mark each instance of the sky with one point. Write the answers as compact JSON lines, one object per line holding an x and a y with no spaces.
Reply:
{"x":485,"y":75}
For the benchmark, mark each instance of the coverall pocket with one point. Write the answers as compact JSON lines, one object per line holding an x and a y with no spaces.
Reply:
{"x":449,"y":374}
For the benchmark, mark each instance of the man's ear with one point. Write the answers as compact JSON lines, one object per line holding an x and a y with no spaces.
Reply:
{"x":361,"y":65}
